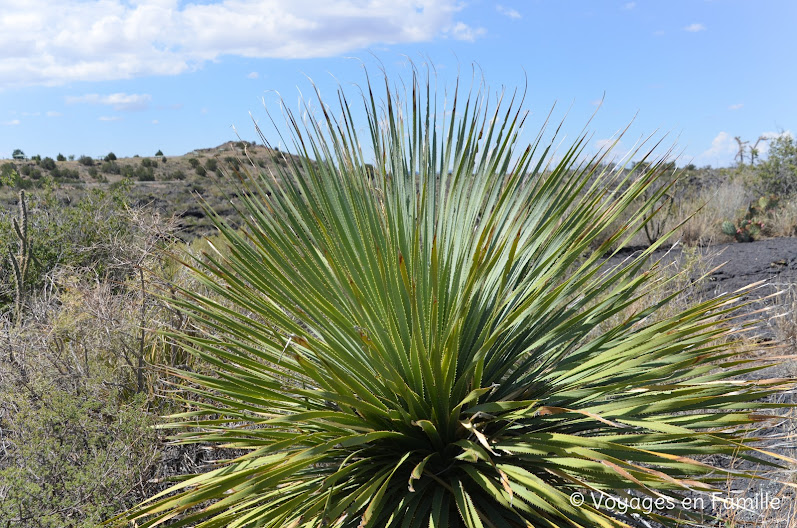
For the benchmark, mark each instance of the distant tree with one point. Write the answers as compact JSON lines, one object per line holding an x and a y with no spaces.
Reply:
{"x":48,"y":163}
{"x":109,"y":157}
{"x":159,"y":153}
{"x":60,"y":157}
{"x":86,"y":160}
{"x":37,"y":158}
{"x":71,"y":157}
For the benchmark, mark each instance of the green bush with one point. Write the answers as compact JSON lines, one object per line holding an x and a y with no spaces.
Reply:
{"x":138,"y":173}
{"x":64,"y":173}
{"x":111,"y":167}
{"x":434,"y":343}
{"x":76,"y":236}
{"x":146,"y":175}
{"x":193,"y":162}
{"x":48,"y":164}
{"x":86,"y":160}
{"x":60,"y":157}
{"x":233,"y":162}
{"x":778,"y":174}
{"x":200,"y":170}
{"x":147,"y":163}
{"x":212,"y":165}
{"x":72,"y":459}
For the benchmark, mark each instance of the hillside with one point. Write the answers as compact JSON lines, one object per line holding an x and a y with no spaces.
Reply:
{"x":168,"y":184}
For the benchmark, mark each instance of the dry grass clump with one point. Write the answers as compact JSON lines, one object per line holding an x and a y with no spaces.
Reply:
{"x":784,"y":219}
{"x":708,"y":208}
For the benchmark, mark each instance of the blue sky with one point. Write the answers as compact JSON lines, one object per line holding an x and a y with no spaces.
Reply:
{"x":135,"y":76}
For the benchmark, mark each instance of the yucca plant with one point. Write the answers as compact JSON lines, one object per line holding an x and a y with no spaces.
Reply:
{"x":413,"y":342}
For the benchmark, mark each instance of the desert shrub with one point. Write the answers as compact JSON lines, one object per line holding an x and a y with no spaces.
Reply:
{"x":175,"y":175}
{"x":48,"y":164}
{"x":418,"y":346}
{"x":25,"y":170}
{"x":35,"y":174}
{"x":212,"y":165}
{"x":146,"y":175}
{"x":138,"y":173}
{"x":778,"y":174}
{"x":193,"y":162}
{"x":64,"y":173}
{"x":36,"y":158}
{"x":77,"y":443}
{"x":88,"y":161}
{"x":233,"y":162}
{"x":147,"y":163}
{"x":200,"y":170}
{"x":60,"y":157}
{"x":111,"y":167}
{"x":82,"y":235}
{"x":110,"y":157}
{"x":71,"y":459}
{"x":94,"y":173}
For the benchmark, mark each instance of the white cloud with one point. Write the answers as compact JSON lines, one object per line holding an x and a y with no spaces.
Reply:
{"x":629,"y":5}
{"x":13,"y":122}
{"x":119,"y":101}
{"x":722,"y":151}
{"x":109,"y":118}
{"x":53,"y":113}
{"x":694,"y":28}
{"x":736,"y":106}
{"x":57,"y":41}
{"x":253,"y":75}
{"x":506,"y":11}
{"x":462,"y":31}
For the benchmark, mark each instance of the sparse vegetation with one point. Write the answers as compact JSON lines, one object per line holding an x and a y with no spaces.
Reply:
{"x":87,"y":161}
